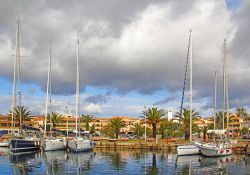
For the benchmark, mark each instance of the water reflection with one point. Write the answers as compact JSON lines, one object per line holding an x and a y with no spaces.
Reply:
{"x":153,"y":169}
{"x":119,"y":162}
{"x":80,"y":162}
{"x":53,"y":161}
{"x":25,"y":163}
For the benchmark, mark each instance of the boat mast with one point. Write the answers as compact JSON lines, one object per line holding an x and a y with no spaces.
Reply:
{"x":14,"y":77}
{"x":224,"y":84}
{"x":225,"y":87}
{"x":77,"y":85}
{"x":18,"y":72}
{"x":191,"y":84}
{"x":215,"y":96}
{"x":226,"y":81}
{"x":47,"y":94}
{"x":49,"y":107}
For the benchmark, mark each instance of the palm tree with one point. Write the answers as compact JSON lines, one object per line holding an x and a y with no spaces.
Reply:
{"x":219,"y":119}
{"x":163,"y":127}
{"x":154,"y":117}
{"x":20,"y":111}
{"x":92,"y":129}
{"x":87,"y":119}
{"x":184,"y":118}
{"x":116,"y":123}
{"x":138,"y":129}
{"x":108,"y":131}
{"x":242,"y":112}
{"x":204,"y":130}
{"x":56,"y":118}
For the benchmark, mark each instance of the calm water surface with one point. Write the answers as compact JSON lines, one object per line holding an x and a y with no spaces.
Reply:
{"x":119,"y":162}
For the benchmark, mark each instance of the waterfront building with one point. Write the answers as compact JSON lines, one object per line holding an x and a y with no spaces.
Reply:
{"x":99,"y":123}
{"x":5,"y":123}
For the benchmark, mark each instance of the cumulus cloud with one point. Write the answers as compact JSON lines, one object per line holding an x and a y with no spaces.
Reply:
{"x":92,"y":108}
{"x":127,"y":47}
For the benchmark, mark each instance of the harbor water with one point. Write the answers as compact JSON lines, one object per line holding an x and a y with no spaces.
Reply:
{"x":119,"y":162}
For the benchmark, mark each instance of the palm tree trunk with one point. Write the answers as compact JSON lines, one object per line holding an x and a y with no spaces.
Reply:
{"x":154,"y":130}
{"x":116,"y":134}
{"x":162,"y":134}
{"x":186,"y":134}
{"x":87,"y":127}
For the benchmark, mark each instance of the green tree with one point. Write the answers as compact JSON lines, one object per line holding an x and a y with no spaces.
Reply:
{"x":87,"y":119}
{"x":184,"y":119}
{"x":242,"y":112}
{"x":163,"y":127}
{"x":138,"y":129}
{"x":154,"y":117}
{"x":244,"y":130}
{"x":20,"y":112}
{"x":108,"y":131}
{"x":219,"y":120}
{"x":117,"y":123}
{"x":56,"y":119}
{"x":92,"y":129}
{"x":204,"y":130}
{"x":172,"y":129}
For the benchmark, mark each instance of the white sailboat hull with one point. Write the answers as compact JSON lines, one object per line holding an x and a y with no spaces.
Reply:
{"x":54,"y":144}
{"x":187,"y":150}
{"x":4,"y":144}
{"x":216,"y":152}
{"x":80,"y":144}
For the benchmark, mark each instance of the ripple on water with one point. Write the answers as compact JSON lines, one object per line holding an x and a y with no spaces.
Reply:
{"x":119,"y":162}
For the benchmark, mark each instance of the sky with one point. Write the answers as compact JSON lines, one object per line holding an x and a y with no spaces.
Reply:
{"x":132,"y":54}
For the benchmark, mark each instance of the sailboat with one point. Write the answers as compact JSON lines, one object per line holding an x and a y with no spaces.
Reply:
{"x":189,"y":149}
{"x":20,"y":143}
{"x":50,"y":143}
{"x":79,"y":144}
{"x":219,"y":147}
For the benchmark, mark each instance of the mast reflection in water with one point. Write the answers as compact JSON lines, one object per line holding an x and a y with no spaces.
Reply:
{"x":118,"y":162}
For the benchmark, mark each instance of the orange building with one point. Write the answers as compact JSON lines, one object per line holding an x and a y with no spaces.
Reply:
{"x":5,"y":123}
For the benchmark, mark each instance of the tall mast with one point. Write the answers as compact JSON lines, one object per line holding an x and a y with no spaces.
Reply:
{"x":215,"y":96}
{"x":226,"y":81}
{"x":18,"y":72}
{"x":48,"y":89}
{"x":224,"y":84}
{"x":14,"y":76}
{"x":191,"y":84}
{"x":49,"y":107}
{"x":77,"y":85}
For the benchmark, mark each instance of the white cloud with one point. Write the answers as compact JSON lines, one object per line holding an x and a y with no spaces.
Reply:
{"x":138,"y":47}
{"x":92,"y":108}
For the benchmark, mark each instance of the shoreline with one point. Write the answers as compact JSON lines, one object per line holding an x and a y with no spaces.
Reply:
{"x":142,"y":146}
{"x":152,"y":146}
